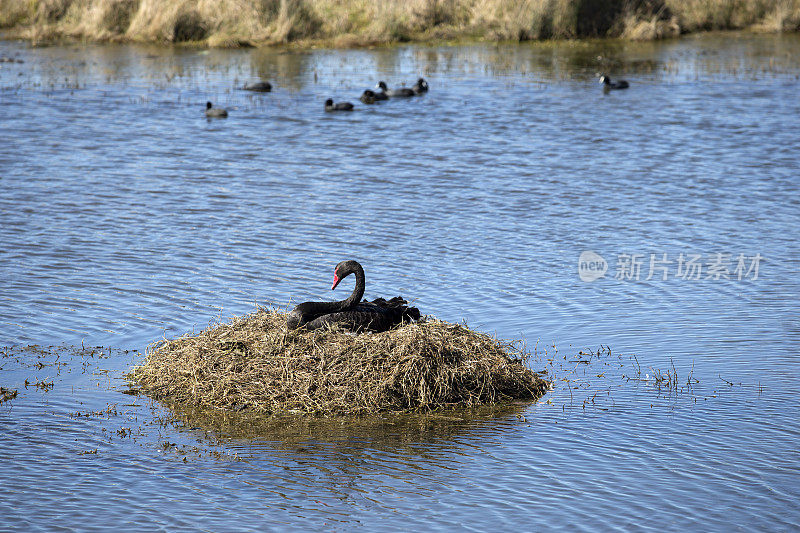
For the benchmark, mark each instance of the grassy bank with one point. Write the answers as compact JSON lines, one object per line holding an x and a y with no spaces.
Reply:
{"x":363,"y":22}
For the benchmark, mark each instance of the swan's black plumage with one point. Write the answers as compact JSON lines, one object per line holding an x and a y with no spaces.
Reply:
{"x":352,"y":313}
{"x":377,"y":315}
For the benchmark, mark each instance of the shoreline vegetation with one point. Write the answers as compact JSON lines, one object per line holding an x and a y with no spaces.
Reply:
{"x":355,"y":23}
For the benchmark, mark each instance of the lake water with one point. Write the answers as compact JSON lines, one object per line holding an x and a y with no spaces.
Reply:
{"x":126,"y":215}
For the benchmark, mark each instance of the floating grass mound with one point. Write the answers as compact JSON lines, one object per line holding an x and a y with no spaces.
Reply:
{"x":253,"y":363}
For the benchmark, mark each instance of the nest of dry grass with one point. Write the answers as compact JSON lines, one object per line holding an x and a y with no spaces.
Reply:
{"x":254,"y":363}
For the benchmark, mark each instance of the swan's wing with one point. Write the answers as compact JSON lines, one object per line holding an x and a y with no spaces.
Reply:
{"x":378,"y":315}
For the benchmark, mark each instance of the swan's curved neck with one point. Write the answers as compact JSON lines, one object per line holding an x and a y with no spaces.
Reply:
{"x":358,"y":291}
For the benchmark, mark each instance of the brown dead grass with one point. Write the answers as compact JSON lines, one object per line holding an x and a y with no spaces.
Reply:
{"x":649,"y":29}
{"x":362,"y":22}
{"x":253,"y":363}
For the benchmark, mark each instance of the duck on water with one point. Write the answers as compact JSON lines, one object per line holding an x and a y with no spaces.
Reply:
{"x":368,"y":97}
{"x":341,"y":106}
{"x":351,"y":313}
{"x":258,"y":86}
{"x":403,"y":92}
{"x":215,"y":112}
{"x":609,"y":85}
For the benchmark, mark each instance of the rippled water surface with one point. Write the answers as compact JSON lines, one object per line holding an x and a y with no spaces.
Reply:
{"x":126,"y":215}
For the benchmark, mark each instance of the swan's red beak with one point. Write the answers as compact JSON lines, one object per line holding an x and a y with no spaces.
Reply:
{"x":336,"y":280}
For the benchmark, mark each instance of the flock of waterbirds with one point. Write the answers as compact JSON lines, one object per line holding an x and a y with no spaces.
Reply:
{"x":380,"y":93}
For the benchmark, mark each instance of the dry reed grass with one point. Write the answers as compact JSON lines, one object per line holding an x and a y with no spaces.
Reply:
{"x":641,"y":28}
{"x":253,"y":363}
{"x":360,"y":22}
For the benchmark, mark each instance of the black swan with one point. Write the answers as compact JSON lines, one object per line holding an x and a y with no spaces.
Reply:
{"x":394,"y":93}
{"x":420,"y":87}
{"x":352,"y":313}
{"x":341,"y":106}
{"x":215,"y":112}
{"x":609,"y":85}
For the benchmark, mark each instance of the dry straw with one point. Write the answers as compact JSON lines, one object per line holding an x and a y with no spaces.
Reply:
{"x":231,"y":23}
{"x":253,"y":363}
